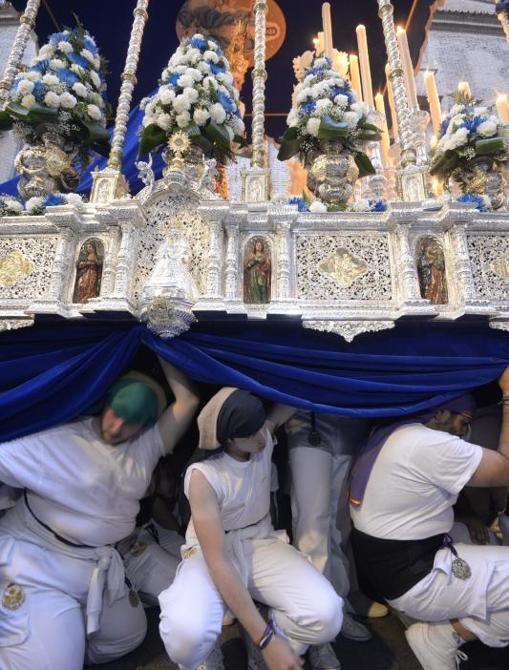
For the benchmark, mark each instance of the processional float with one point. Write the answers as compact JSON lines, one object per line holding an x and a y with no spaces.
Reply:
{"x":382,"y":231}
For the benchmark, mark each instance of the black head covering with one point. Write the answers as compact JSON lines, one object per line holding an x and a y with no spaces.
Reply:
{"x":241,"y":415}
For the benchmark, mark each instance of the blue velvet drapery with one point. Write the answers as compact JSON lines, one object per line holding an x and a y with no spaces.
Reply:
{"x":52,"y":373}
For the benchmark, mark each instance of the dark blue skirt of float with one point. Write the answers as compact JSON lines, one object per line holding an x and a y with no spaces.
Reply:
{"x":52,"y":373}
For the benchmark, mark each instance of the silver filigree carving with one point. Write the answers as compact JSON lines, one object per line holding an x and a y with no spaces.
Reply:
{"x":371,"y":251}
{"x":342,"y":267}
{"x":489,"y":261}
{"x":347,"y":329}
{"x":39,"y":252}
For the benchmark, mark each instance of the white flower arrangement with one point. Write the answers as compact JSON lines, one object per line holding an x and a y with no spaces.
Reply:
{"x":11,"y":206}
{"x":469,"y":130}
{"x":327,"y":108}
{"x":196,"y":95}
{"x":64,"y":85}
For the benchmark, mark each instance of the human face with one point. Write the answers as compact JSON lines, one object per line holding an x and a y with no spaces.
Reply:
{"x":242,"y":447}
{"x":450,"y":422}
{"x":115,"y":430}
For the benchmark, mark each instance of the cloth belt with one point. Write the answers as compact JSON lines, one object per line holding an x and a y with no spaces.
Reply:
{"x":107,"y":579}
{"x":389,"y":568}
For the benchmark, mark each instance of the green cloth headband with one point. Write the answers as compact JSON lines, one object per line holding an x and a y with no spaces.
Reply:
{"x":133,"y":401}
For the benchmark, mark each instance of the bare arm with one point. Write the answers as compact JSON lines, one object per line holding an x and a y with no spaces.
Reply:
{"x":493,"y":469}
{"x":210,"y":533}
{"x":176,"y":419}
{"x":279,"y":414}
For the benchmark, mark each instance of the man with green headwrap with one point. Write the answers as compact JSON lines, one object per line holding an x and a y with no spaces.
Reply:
{"x":63,"y":592}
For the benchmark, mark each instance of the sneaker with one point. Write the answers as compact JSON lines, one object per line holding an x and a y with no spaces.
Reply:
{"x":322,"y":657}
{"x":353,"y":630}
{"x":214,"y":660}
{"x":435,"y":646}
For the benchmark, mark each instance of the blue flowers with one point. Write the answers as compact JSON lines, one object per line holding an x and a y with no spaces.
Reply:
{"x":198,"y":42}
{"x":59,"y":37}
{"x":226,"y":102}
{"x":173,"y":78}
{"x":41,"y":66}
{"x":216,"y":68}
{"x":89,"y":44}
{"x":78,"y":59}
{"x":53,"y":199}
{"x":298,"y":200}
{"x":377,"y":206}
{"x":473,"y":123}
{"x":478,"y":200}
{"x":67,"y":76}
{"x":307,"y":107}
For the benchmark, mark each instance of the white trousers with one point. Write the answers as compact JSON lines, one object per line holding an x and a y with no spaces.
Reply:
{"x":320,"y":512}
{"x":151,"y":566}
{"x":43,"y":604}
{"x":303,"y":603}
{"x":481,"y":603}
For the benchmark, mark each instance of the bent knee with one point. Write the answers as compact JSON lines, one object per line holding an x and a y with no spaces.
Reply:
{"x":103,"y":649}
{"x":329,"y":617}
{"x":187,"y":640}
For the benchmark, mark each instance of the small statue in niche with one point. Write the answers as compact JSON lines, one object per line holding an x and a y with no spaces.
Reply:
{"x":89,"y":271}
{"x":431,"y":270}
{"x":257,"y":272}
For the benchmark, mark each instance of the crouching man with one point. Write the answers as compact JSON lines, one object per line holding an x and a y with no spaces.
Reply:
{"x":233,"y":555}
{"x":404,"y":485}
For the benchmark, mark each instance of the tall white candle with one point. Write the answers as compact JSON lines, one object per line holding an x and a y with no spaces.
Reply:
{"x":327,"y":29}
{"x":392,"y":104}
{"x":408,"y":68}
{"x":433,"y":100}
{"x":385,"y":141}
{"x":464,"y":89}
{"x":367,"y":87}
{"x":502,"y":106}
{"x":355,"y":76}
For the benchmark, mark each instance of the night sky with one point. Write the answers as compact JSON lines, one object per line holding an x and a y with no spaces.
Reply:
{"x":109,"y":21}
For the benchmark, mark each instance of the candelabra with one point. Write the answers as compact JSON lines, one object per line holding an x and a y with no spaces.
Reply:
{"x":411,"y":175}
{"x":26,"y":25}
{"x":256,"y":179}
{"x":109,"y":183}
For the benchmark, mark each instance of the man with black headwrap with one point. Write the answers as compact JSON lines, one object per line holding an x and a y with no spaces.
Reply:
{"x":232,"y":553}
{"x":63,"y":592}
{"x":404,"y":485}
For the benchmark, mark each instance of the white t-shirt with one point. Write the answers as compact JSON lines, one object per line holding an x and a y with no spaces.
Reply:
{"x":242,"y":487}
{"x":414,"y":483}
{"x":83,"y":488}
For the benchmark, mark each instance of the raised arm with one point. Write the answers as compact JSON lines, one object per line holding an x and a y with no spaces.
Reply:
{"x":493,"y":469}
{"x":210,"y":532}
{"x":279,"y":414}
{"x":176,"y":419}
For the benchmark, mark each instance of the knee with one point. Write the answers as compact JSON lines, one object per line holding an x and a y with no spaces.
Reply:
{"x":187,"y":639}
{"x":329,"y":617}
{"x":108,"y":645}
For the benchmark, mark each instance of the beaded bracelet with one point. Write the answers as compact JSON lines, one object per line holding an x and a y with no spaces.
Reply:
{"x":266,"y":637}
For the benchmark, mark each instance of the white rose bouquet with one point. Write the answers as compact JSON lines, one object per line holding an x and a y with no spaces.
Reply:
{"x":327,"y":108}
{"x":64,"y":85}
{"x":197,"y":98}
{"x":469,"y":130}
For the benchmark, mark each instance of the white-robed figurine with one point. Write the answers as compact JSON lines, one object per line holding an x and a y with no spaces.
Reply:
{"x":233,"y":554}
{"x":63,"y":592}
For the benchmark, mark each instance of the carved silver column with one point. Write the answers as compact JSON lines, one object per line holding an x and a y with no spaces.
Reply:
{"x":409,"y":293}
{"x":412,"y":182}
{"x":255,"y":180}
{"x":283,"y":266}
{"x":231,"y":272}
{"x":109,"y":184}
{"x":27,"y":24}
{"x":108,"y":276}
{"x":61,"y":265}
{"x":122,"y":279}
{"x":214,"y":261}
{"x":463,"y":267}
